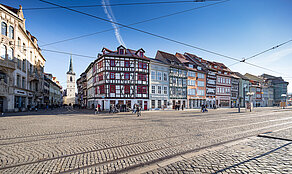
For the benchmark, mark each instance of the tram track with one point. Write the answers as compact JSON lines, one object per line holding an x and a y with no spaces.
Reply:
{"x":153,"y":140}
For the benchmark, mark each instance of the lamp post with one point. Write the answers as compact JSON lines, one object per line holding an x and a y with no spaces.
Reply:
{"x":250,"y":94}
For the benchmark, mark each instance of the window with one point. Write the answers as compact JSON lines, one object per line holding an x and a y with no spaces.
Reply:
{"x":11,"y":32}
{"x":218,"y":90}
{"x":112,"y":76}
{"x":118,"y":76}
{"x":23,"y":82}
{"x":101,"y":89}
{"x":19,"y":63}
{"x":4,"y":28}
{"x":144,"y":89}
{"x":152,"y":104}
{"x":141,"y":54}
{"x":199,"y":68}
{"x":23,"y":65}
{"x":165,"y":76}
{"x":18,"y":81}
{"x":23,"y":48}
{"x":121,"y":51}
{"x":159,"y":75}
{"x":201,"y":84}
{"x":165,"y":89}
{"x":10,"y":53}
{"x":201,"y":92}
{"x":112,"y":89}
{"x":153,"y":89}
{"x":100,"y":77}
{"x":139,"y":89}
{"x":165,"y":102}
{"x":201,"y":76}
{"x":191,"y":66}
{"x":153,"y":75}
{"x":144,"y":65}
{"x":19,"y":42}
{"x":191,"y":82}
{"x":96,"y":90}
{"x":127,"y":89}
{"x":140,"y":65}
{"x":127,"y":76}
{"x":112,"y":63}
{"x":179,"y":82}
{"x":3,"y":51}
{"x":71,"y":79}
{"x":159,"y":88}
{"x":127,"y":63}
{"x":159,"y":103}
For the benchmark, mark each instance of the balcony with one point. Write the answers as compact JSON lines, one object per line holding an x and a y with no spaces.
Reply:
{"x":7,"y":63}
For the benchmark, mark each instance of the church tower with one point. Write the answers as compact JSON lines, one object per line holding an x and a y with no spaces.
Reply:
{"x":70,"y":91}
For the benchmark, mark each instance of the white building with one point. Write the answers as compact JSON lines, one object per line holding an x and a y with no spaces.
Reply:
{"x":21,"y":63}
{"x":159,"y":85}
{"x":70,"y":97}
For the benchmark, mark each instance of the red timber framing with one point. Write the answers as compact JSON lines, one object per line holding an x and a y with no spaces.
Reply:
{"x":122,"y":74}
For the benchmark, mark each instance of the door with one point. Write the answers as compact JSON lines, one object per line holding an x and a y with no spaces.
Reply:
{"x":102,"y":105}
{"x":145,"y":105}
{"x":1,"y":104}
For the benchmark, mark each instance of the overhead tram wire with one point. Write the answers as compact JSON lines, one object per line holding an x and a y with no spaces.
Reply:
{"x":144,"y":21}
{"x":120,"y":4}
{"x":251,"y":57}
{"x":60,"y":52}
{"x":145,"y":32}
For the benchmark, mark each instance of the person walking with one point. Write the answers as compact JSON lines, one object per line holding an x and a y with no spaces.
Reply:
{"x":98,"y":107}
{"x":138,"y":111}
{"x":96,"y":110}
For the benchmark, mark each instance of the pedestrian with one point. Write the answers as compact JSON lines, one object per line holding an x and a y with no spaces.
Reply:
{"x":98,"y":107}
{"x":96,"y":110}
{"x":138,"y":111}
{"x":134,"y":109}
{"x":182,"y":107}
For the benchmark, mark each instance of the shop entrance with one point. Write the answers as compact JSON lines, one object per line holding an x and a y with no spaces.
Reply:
{"x":1,"y":104}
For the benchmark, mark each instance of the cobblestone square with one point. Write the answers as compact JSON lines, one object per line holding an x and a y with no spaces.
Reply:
{"x":77,"y":141}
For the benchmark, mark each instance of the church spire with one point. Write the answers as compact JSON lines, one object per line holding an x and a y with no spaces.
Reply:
{"x":70,"y":67}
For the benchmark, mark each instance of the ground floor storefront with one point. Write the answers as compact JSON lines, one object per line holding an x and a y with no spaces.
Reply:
{"x":159,"y":103}
{"x":178,"y":104}
{"x":121,"y":104}
{"x":211,"y":102}
{"x":223,"y":101}
{"x":196,"y":103}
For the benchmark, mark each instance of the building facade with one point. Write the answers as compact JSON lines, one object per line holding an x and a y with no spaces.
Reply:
{"x":256,"y":87}
{"x":211,"y":76}
{"x":223,"y":85}
{"x":21,"y":64}
{"x":280,"y":88}
{"x":196,"y":82}
{"x":177,"y":79}
{"x":81,"y":90}
{"x":234,"y":90}
{"x":244,"y":86}
{"x":159,"y":85}
{"x":120,"y":78}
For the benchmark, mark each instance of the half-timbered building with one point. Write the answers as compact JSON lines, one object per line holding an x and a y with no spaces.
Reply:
{"x":121,"y":78}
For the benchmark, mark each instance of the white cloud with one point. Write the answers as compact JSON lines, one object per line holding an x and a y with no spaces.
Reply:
{"x":108,"y":11}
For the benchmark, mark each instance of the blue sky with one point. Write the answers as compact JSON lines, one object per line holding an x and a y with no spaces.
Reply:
{"x":237,"y":28}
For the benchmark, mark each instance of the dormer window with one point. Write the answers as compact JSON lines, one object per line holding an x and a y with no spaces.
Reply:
{"x":121,"y":51}
{"x":199,"y":68}
{"x":141,"y":54}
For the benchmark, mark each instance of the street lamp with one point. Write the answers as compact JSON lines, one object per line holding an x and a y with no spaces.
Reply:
{"x":250,"y":94}
{"x":283,"y":103}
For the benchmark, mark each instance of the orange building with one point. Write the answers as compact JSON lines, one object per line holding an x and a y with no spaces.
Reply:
{"x":196,"y":95}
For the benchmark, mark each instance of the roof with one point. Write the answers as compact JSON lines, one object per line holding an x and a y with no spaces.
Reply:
{"x":128,"y":53}
{"x":169,"y":57}
{"x":70,"y":67}
{"x":240,"y":76}
{"x":253,"y":77}
{"x":157,"y":61}
{"x":12,"y":9}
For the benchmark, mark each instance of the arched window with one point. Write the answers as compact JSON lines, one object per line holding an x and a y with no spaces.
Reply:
{"x":3,"y":51}
{"x":70,"y":78}
{"x":4,"y":28}
{"x":11,"y":32}
{"x":10,"y":53}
